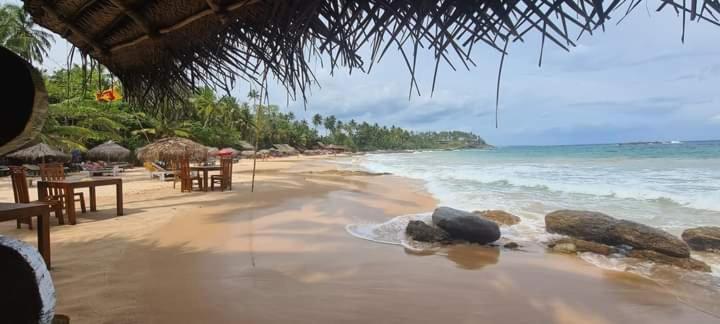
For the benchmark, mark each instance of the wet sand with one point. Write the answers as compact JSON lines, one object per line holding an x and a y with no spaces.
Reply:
{"x":282,"y":255}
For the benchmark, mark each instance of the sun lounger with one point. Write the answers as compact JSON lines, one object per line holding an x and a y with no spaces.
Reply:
{"x":114,"y":171}
{"x":158,"y":171}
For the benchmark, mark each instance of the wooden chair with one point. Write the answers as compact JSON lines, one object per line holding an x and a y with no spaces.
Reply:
{"x":187,"y":179}
{"x":56,"y":171}
{"x":224,"y":179}
{"x":21,"y":195}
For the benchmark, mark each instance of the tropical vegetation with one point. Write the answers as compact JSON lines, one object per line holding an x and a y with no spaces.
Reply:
{"x":19,"y":33}
{"x":78,"y":121}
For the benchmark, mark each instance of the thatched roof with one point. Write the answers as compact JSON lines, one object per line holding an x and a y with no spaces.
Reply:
{"x":335,"y":147}
{"x":161,"y":49}
{"x":285,"y":148}
{"x":212,"y":151}
{"x":39,"y":152}
{"x":245,"y":146}
{"x":108,"y":151}
{"x":172,"y":149}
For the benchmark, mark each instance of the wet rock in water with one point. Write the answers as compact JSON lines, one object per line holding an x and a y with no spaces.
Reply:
{"x":420,"y":231}
{"x":644,"y":237}
{"x":465,"y":226}
{"x":704,"y":238}
{"x":511,"y":245}
{"x":568,"y":248}
{"x":572,"y":245}
{"x":585,"y":225}
{"x":500,"y":217}
{"x":601,"y":228}
{"x":684,"y":263}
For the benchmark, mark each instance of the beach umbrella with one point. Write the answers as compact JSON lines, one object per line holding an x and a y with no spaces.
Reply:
{"x":173,"y":149}
{"x":110,"y":151}
{"x":212,"y":151}
{"x":39,"y":152}
{"x":245,"y":146}
{"x":228,"y":151}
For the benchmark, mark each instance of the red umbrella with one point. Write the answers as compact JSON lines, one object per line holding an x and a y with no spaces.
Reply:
{"x":227,"y":151}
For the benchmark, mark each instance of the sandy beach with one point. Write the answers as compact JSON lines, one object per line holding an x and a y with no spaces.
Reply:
{"x":282,"y":255}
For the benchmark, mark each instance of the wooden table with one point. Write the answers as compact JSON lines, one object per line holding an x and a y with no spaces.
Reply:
{"x":11,"y":211}
{"x":205,"y":169}
{"x":69,"y":186}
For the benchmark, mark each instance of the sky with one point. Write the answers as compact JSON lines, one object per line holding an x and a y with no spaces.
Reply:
{"x":635,"y":81}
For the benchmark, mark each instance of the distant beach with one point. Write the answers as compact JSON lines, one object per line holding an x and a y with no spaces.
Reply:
{"x":282,"y":254}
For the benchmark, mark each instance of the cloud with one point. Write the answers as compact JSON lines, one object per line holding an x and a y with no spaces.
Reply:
{"x":631,"y":82}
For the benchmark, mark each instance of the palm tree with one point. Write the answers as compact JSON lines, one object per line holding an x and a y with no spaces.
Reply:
{"x":329,"y":123}
{"x":19,"y":34}
{"x":317,"y":121}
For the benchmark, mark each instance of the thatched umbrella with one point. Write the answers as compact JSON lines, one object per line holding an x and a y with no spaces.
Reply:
{"x":245,"y":146}
{"x":110,"y":151}
{"x":212,"y":151}
{"x":153,"y":46}
{"x":39,"y":152}
{"x":172,"y":149}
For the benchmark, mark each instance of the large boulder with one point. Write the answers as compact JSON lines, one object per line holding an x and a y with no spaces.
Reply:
{"x":420,"y":231}
{"x":684,"y":263}
{"x":465,"y":226}
{"x":584,"y":225}
{"x":705,"y":238}
{"x":500,"y":217}
{"x":644,"y":237}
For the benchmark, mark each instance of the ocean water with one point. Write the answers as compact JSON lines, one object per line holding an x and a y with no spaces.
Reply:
{"x":672,"y":186}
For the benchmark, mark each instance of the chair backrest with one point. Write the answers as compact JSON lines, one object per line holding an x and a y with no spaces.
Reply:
{"x":19,"y":184}
{"x":183,"y":167}
{"x":53,"y":172}
{"x":225,"y":166}
{"x":226,"y":169}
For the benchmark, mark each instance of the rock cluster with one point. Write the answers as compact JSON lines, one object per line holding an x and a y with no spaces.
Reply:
{"x":705,"y":238}
{"x":602,"y":234}
{"x":453,"y":225}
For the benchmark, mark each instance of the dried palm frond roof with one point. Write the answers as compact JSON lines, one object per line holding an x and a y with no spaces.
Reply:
{"x":245,"y":146}
{"x":161,"y":49}
{"x":39,"y":152}
{"x":108,"y":150}
{"x":172,"y":149}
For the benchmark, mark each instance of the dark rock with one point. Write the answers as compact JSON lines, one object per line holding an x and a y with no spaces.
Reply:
{"x":571,"y":245}
{"x":684,"y":263}
{"x":644,"y":237}
{"x":705,"y":238}
{"x":511,"y":245}
{"x":585,"y":225}
{"x":500,"y":217}
{"x":422,"y":232}
{"x":601,"y":228}
{"x":465,"y":226}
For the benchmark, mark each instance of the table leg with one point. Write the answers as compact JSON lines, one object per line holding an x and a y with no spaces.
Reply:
{"x":93,"y":202}
{"x":119,"y":198}
{"x":70,"y":204}
{"x":43,"y":233}
{"x":205,"y":180}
